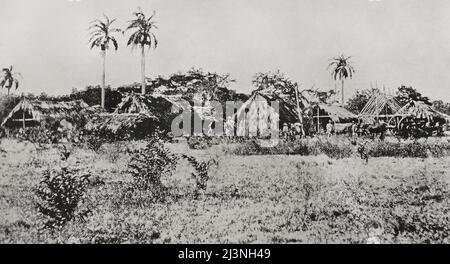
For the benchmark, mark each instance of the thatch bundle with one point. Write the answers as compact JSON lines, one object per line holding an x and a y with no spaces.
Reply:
{"x":420,"y":110}
{"x":336,"y":113}
{"x":122,"y":126}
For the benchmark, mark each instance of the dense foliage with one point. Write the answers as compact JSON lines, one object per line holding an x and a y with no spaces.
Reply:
{"x":148,"y":165}
{"x":60,"y":193}
{"x":344,"y":148}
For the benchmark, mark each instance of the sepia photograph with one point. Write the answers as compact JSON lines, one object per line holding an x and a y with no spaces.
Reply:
{"x":250,"y":122}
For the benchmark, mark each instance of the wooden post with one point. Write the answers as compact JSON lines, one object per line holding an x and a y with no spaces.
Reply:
{"x":318,"y":119}
{"x":300,"y":118}
{"x":23,"y":119}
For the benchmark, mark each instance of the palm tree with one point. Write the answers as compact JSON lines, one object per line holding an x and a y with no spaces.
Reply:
{"x":142,"y":36}
{"x":341,"y":69}
{"x":102,"y":34}
{"x":8,"y":79}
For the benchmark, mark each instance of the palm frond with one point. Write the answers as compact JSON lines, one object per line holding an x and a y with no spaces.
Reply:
{"x":114,"y":41}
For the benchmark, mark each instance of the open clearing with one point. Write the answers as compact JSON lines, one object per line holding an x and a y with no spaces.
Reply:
{"x":249,"y":199}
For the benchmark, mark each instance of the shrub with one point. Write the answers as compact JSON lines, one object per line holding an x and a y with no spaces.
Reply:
{"x":60,"y":193}
{"x":199,"y":142}
{"x":94,"y":142}
{"x":302,"y":147}
{"x":343,"y":148}
{"x":64,"y":152}
{"x":201,"y":171}
{"x":149,"y":164}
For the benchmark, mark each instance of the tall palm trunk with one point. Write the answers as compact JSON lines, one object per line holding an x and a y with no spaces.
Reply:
{"x":143,"y":70}
{"x":342,"y":92}
{"x":103,"y":79}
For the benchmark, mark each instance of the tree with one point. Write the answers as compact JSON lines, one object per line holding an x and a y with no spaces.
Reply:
{"x":406,"y":93}
{"x":341,"y":69}
{"x":358,"y":101}
{"x":9,"y":79}
{"x":142,"y":36}
{"x":278,"y":84}
{"x":442,"y":107}
{"x":102,"y":34}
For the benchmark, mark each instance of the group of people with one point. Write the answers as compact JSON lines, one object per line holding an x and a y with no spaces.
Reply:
{"x":291,"y":131}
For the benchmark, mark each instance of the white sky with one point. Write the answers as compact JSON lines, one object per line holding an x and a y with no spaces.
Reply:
{"x":393,"y":42}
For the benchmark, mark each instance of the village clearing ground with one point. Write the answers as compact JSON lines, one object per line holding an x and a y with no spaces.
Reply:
{"x":249,"y":199}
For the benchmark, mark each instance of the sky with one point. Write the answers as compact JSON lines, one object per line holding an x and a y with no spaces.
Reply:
{"x":393,"y":42}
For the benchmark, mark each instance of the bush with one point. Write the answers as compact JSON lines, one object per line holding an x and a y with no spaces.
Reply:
{"x":343,"y":148}
{"x":302,"y":147}
{"x":389,"y":149}
{"x":199,"y":142}
{"x":201,"y":172}
{"x":94,"y":142}
{"x":148,"y":165}
{"x":60,"y":193}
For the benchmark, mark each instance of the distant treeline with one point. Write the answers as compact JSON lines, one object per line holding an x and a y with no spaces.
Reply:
{"x":197,"y":84}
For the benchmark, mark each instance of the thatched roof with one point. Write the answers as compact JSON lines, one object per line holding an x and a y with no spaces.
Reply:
{"x":420,"y":110}
{"x":257,"y":117}
{"x":164,"y":107}
{"x":123,"y":125}
{"x":378,"y":103}
{"x":157,"y":106}
{"x":36,"y":111}
{"x":336,"y":113}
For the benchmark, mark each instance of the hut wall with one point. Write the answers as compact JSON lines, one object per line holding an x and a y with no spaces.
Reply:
{"x":257,"y":119}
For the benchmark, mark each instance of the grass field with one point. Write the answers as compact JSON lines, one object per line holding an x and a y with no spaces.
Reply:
{"x":248,"y":199}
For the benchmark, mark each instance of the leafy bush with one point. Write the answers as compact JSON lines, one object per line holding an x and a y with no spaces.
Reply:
{"x":302,"y":147}
{"x":201,"y":171}
{"x":94,"y":142}
{"x":60,"y":193}
{"x":389,"y":149}
{"x":199,"y":142}
{"x":148,"y":165}
{"x":64,"y":152}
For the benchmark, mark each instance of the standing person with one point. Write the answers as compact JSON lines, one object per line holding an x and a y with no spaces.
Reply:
{"x":285,"y":131}
{"x":363,"y":151}
{"x":298,"y":131}
{"x":330,"y":128}
{"x":354,"y":130}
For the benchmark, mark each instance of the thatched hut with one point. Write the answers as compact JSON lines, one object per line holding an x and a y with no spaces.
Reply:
{"x":31,"y":113}
{"x":323,"y":113}
{"x":166,"y":107}
{"x":122,"y":126}
{"x":155,"y":106}
{"x":258,"y":117}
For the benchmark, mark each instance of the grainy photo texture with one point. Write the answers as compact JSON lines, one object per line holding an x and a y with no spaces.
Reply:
{"x":224,"y":121}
